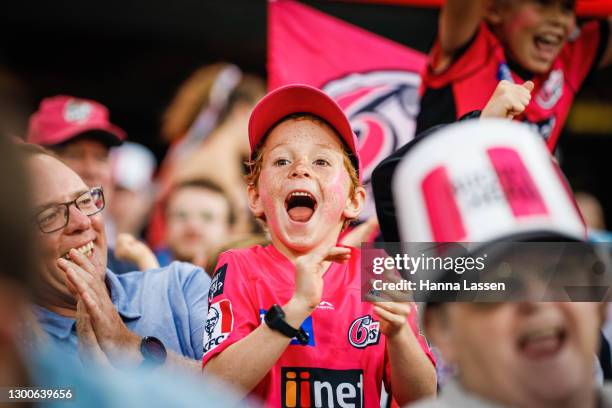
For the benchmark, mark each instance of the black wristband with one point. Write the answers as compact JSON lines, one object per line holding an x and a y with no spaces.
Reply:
{"x":275,"y":319}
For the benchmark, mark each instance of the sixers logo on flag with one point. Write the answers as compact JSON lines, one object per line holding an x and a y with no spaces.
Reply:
{"x":219,"y":324}
{"x":381,"y":106}
{"x":364,"y":331}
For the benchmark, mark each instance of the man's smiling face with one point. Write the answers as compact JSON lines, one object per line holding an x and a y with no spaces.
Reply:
{"x":52,"y":183}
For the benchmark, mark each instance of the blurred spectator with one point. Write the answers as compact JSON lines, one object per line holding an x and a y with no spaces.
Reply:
{"x":17,"y":263}
{"x":593,"y":215}
{"x":24,"y":364}
{"x":512,"y":351}
{"x":79,"y":131}
{"x":199,"y":216}
{"x":206,"y":124}
{"x":483,"y":41}
{"x":133,"y":166}
{"x":85,"y":306}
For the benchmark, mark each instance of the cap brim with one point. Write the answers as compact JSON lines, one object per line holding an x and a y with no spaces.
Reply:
{"x":298,"y":98}
{"x":109,"y":134}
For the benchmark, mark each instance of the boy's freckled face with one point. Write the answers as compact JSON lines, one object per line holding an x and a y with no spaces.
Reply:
{"x":535,"y":33}
{"x":304,"y":185}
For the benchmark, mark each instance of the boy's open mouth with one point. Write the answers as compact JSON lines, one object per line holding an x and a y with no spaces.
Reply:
{"x":548,"y":43}
{"x":300,"y":205}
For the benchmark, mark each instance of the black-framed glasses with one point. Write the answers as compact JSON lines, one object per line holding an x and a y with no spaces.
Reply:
{"x":56,"y":217}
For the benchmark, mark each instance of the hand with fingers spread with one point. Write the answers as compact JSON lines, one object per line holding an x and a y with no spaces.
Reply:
{"x":508,"y":100}
{"x":309,"y":274}
{"x":112,"y":335}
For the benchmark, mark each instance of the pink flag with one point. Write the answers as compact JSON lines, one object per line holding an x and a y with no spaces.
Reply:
{"x":374,"y":79}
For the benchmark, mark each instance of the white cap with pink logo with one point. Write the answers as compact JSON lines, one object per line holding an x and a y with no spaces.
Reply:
{"x":480,"y":181}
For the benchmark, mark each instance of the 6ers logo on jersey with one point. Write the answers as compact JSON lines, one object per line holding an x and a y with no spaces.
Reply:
{"x":364,"y":331}
{"x":219,"y":324}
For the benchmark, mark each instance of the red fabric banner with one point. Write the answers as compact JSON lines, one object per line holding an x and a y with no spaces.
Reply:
{"x":374,"y":79}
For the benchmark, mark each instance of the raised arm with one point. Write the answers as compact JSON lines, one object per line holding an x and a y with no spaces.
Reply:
{"x":458,"y":22}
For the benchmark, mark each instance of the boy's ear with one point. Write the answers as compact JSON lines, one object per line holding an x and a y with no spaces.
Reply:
{"x":354,"y":203}
{"x":255,"y":203}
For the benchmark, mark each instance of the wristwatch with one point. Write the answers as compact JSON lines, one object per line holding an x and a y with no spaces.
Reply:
{"x":275,"y":319}
{"x":153,"y":351}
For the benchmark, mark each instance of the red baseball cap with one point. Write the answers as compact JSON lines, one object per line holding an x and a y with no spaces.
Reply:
{"x":61,"y":118}
{"x":300,"y":98}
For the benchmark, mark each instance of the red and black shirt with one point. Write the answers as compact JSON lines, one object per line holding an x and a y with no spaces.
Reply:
{"x":468,"y":83}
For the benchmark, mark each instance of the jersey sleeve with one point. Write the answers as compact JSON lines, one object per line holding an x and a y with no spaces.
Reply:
{"x":582,"y":55}
{"x":231,"y":315}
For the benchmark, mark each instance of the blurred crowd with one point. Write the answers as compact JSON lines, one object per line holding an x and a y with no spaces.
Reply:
{"x":229,"y":273}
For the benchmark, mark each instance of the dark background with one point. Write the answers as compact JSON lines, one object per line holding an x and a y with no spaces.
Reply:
{"x":132,"y":55}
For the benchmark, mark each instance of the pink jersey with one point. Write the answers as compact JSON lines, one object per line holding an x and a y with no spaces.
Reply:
{"x":344,"y":363}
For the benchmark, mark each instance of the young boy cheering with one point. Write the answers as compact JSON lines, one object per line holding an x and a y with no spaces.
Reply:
{"x":481,"y":42}
{"x":286,"y":322}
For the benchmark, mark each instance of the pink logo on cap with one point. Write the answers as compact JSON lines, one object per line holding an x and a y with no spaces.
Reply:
{"x":521,"y":192}
{"x":442,"y":209}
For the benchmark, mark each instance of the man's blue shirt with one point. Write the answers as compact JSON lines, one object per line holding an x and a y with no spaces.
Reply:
{"x":169,"y":303}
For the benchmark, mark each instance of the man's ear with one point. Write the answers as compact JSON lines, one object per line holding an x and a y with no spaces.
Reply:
{"x":354,"y":203}
{"x":255,"y":203}
{"x":437,"y":331}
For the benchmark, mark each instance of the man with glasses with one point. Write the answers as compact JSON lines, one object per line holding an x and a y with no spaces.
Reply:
{"x":80,"y":133}
{"x":124,"y":320}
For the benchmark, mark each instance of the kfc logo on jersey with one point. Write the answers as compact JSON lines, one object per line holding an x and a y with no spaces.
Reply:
{"x":216,"y":286}
{"x":319,"y":387}
{"x":364,"y":331}
{"x":219,"y":324}
{"x":551,"y":90}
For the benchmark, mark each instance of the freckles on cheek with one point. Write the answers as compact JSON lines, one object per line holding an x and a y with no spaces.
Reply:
{"x":337,"y":197}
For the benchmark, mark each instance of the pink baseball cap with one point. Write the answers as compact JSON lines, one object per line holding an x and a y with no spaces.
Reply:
{"x":61,"y":118}
{"x":300,"y":98}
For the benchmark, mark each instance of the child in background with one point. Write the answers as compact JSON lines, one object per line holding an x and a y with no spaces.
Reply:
{"x":483,"y":42}
{"x":286,"y":321}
